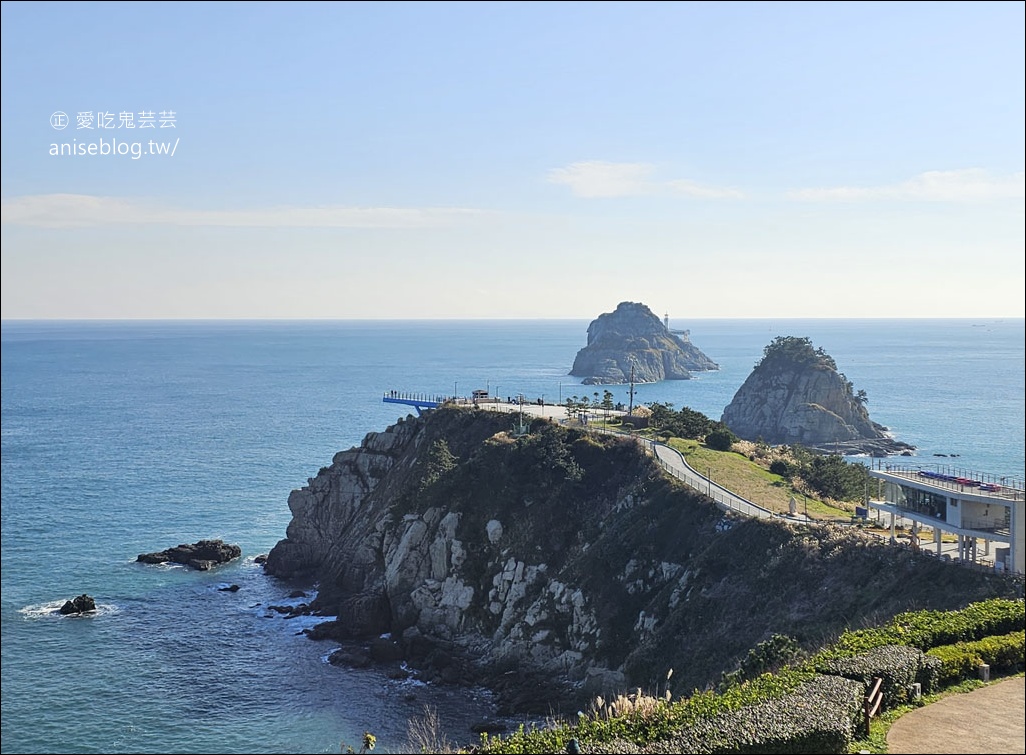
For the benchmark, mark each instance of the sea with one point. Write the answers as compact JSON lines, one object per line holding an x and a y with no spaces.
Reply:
{"x":120,"y":438}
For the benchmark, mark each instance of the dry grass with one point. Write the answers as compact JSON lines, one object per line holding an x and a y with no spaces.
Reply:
{"x":424,"y":733}
{"x":634,"y":705}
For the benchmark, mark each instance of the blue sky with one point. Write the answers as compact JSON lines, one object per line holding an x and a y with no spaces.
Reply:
{"x":502,"y":160}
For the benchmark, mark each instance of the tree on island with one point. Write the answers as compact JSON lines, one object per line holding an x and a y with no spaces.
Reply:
{"x":797,"y":350}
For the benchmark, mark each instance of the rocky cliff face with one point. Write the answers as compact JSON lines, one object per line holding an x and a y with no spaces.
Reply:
{"x":632,"y":334}
{"x":795,"y":395}
{"x":568,"y":563}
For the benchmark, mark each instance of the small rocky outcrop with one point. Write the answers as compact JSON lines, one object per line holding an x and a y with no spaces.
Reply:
{"x":632,"y":335}
{"x":202,"y":555}
{"x":795,"y":395}
{"x":77,"y":606}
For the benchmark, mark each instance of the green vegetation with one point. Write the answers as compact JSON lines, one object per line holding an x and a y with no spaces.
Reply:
{"x":830,"y":476}
{"x":602,"y":517}
{"x":929,"y":629}
{"x":750,"y":480}
{"x":720,"y":439}
{"x":804,"y":472}
{"x":796,"y":350}
{"x":637,"y":718}
{"x":440,"y":461}
{"x":684,"y":423}
{"x":368,"y":743}
{"x":960,"y":661}
{"x":810,"y":706}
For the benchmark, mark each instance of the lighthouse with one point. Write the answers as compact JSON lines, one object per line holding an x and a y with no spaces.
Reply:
{"x":666,"y":320}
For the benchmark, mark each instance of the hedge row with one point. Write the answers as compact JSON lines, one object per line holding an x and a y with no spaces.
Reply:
{"x":815,"y":708}
{"x":898,"y":666}
{"x":930,"y":629}
{"x":663,"y":720}
{"x":818,"y":717}
{"x":960,"y":661}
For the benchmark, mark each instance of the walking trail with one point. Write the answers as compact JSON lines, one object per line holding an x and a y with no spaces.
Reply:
{"x":991,"y":719}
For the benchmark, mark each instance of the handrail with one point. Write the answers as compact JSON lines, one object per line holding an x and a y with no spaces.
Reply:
{"x":871,"y":705}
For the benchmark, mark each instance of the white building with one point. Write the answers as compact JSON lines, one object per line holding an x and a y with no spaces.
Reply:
{"x":982,"y":517}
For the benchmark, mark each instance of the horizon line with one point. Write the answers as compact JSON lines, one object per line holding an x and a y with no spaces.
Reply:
{"x":480,"y":319}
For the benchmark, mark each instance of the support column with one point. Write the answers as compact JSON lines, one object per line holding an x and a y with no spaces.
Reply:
{"x":892,"y":527}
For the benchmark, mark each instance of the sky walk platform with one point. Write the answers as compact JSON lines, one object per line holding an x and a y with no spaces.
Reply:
{"x":981,"y":512}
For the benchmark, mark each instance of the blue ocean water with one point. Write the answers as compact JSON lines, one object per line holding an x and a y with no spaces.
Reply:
{"x":120,"y":438}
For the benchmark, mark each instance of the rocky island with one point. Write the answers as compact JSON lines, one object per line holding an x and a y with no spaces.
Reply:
{"x":202,"y":555}
{"x":632,"y":336}
{"x":559,"y":564}
{"x":795,"y":395}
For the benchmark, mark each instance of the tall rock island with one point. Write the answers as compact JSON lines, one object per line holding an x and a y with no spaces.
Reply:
{"x":795,"y":395}
{"x":632,"y":335}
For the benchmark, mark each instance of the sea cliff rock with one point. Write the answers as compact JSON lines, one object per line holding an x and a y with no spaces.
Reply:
{"x":561,"y":564}
{"x":202,"y":555}
{"x":795,"y":395}
{"x":633,"y":335}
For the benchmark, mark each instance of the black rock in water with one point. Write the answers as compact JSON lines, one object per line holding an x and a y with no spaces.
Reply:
{"x":82,"y":604}
{"x":202,"y":555}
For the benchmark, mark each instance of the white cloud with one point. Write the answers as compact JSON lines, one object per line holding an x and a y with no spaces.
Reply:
{"x":596,"y":178}
{"x":78,"y":210}
{"x":968,"y":185}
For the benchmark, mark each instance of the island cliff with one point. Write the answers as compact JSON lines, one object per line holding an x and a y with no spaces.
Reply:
{"x":795,"y":395}
{"x":562,"y":563}
{"x":633,"y":336}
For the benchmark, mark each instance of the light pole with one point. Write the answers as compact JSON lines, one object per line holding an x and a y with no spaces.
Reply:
{"x":455,"y":393}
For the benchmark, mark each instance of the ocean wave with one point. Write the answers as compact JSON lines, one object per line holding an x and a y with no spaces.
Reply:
{"x":52,"y":609}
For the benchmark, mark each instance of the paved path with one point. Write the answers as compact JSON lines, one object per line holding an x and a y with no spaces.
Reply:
{"x":987,"y":720}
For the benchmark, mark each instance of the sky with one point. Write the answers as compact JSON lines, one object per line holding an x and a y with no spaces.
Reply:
{"x":511,"y":160}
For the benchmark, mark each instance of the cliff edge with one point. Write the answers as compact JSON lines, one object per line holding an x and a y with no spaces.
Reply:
{"x":561,"y":564}
{"x":633,"y":335}
{"x":795,"y":395}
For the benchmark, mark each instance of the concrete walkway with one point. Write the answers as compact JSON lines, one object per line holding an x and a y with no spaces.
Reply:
{"x":987,"y":720}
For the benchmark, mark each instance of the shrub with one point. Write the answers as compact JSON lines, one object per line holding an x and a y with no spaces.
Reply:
{"x":929,"y":629}
{"x":720,"y":439}
{"x":899,"y":667}
{"x":959,"y":661}
{"x":820,"y":716}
